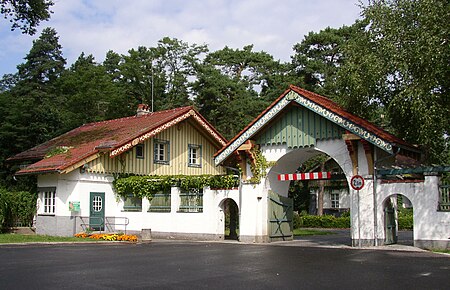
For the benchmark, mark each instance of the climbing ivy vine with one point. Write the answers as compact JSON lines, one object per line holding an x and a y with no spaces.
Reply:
{"x":259,"y":166}
{"x":147,"y":186}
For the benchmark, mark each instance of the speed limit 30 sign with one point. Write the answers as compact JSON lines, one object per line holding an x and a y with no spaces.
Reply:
{"x":357,"y":182}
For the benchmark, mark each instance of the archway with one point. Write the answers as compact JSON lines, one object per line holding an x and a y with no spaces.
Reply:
{"x":335,"y":197}
{"x":231,"y":224}
{"x":398,"y":220}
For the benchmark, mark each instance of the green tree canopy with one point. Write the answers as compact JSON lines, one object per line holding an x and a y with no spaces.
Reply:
{"x":398,"y":66}
{"x":25,"y":14}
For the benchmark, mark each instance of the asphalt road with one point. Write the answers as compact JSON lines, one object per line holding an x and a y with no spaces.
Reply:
{"x":206,"y":265}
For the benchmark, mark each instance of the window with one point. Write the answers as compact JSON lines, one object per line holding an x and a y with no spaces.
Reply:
{"x":160,"y":202}
{"x":161,"y":152}
{"x":335,"y":200}
{"x":132,"y":203}
{"x":444,"y":196}
{"x":49,"y":201}
{"x":195,"y":155}
{"x":140,"y":151}
{"x":191,"y":201}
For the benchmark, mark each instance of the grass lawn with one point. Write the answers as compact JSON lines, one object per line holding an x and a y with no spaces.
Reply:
{"x":18,"y":238}
{"x":442,"y":251}
{"x":310,"y":232}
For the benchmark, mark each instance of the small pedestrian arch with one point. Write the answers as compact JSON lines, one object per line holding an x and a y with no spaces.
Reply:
{"x":398,"y":220}
{"x":230,"y":219}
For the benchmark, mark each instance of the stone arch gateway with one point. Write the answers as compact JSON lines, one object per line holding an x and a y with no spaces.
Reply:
{"x":297,"y":126}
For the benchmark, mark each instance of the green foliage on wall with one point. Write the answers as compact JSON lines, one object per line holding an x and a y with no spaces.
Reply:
{"x":147,"y":186}
{"x":259,"y":166}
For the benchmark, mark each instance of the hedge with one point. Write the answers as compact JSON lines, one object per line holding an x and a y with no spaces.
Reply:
{"x":15,"y":207}
{"x":325,"y":221}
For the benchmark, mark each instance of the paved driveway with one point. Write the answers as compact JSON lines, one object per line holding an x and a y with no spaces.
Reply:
{"x":204,"y":265}
{"x":342,"y":238}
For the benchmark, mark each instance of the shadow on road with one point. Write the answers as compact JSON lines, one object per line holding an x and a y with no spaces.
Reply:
{"x":342,"y":237}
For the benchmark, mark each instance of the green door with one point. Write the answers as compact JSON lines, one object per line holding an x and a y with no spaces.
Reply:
{"x":280,"y":217}
{"x":97,"y":211}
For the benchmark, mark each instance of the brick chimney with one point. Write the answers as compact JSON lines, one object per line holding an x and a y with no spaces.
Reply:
{"x":143,"y":109}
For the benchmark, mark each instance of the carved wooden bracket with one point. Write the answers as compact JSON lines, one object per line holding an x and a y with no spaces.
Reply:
{"x":352,"y":147}
{"x":368,"y":149}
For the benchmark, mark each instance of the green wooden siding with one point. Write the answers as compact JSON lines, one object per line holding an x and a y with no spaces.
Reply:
{"x":298,"y":127}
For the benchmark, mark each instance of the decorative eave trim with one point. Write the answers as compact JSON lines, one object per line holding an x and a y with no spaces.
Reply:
{"x":163,"y":127}
{"x":208,"y":128}
{"x":340,"y":121}
{"x":318,"y":109}
{"x":252,"y":130}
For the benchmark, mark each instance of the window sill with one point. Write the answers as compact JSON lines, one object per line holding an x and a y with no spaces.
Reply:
{"x":46,"y":214}
{"x":132,"y":210}
{"x":195,"y":165}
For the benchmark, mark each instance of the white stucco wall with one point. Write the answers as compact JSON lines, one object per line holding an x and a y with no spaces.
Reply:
{"x":431,"y":227}
{"x":76,"y":186}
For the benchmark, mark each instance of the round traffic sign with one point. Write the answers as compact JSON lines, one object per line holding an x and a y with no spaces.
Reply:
{"x":357,"y":182}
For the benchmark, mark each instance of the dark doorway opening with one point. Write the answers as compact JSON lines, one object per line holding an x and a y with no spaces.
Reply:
{"x":231,"y":211}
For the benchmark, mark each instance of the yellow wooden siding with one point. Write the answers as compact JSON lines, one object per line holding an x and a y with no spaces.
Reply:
{"x":179,"y":136}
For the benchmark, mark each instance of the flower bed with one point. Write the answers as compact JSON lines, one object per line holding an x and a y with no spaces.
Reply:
{"x":107,"y":237}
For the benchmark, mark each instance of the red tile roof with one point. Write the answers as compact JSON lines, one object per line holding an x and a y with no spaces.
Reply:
{"x":333,"y":107}
{"x":86,"y":141}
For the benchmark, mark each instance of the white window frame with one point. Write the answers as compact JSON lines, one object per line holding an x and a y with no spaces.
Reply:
{"x":334,"y":198}
{"x":48,"y":197}
{"x":161,"y":152}
{"x":194,"y":155}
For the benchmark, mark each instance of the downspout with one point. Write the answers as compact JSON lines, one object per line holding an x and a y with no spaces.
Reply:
{"x":375,"y":220}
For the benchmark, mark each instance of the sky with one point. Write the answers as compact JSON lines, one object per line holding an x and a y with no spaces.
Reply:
{"x":97,"y":26}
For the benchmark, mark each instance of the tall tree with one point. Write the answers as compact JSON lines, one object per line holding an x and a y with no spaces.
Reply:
{"x":234,"y":85}
{"x":89,"y":95}
{"x":32,"y":116}
{"x":162,"y":74}
{"x":318,"y":57}
{"x":177,"y":60}
{"x":399,"y":62}
{"x":29,"y":100}
{"x":25,"y":14}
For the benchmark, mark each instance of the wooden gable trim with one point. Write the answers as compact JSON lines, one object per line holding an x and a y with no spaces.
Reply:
{"x":344,"y":123}
{"x":292,"y":96}
{"x":127,"y":146}
{"x":255,"y":127}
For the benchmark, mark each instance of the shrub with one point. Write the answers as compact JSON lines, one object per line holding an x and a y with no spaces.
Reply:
{"x":297,"y":221}
{"x":16,"y":206}
{"x":405,"y":219}
{"x":325,"y":221}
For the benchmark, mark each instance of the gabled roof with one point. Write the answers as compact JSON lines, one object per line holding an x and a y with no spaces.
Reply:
{"x":85,"y":143}
{"x":323,"y":107}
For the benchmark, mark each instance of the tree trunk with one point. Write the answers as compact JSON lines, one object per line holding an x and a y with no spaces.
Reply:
{"x":321,"y":192}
